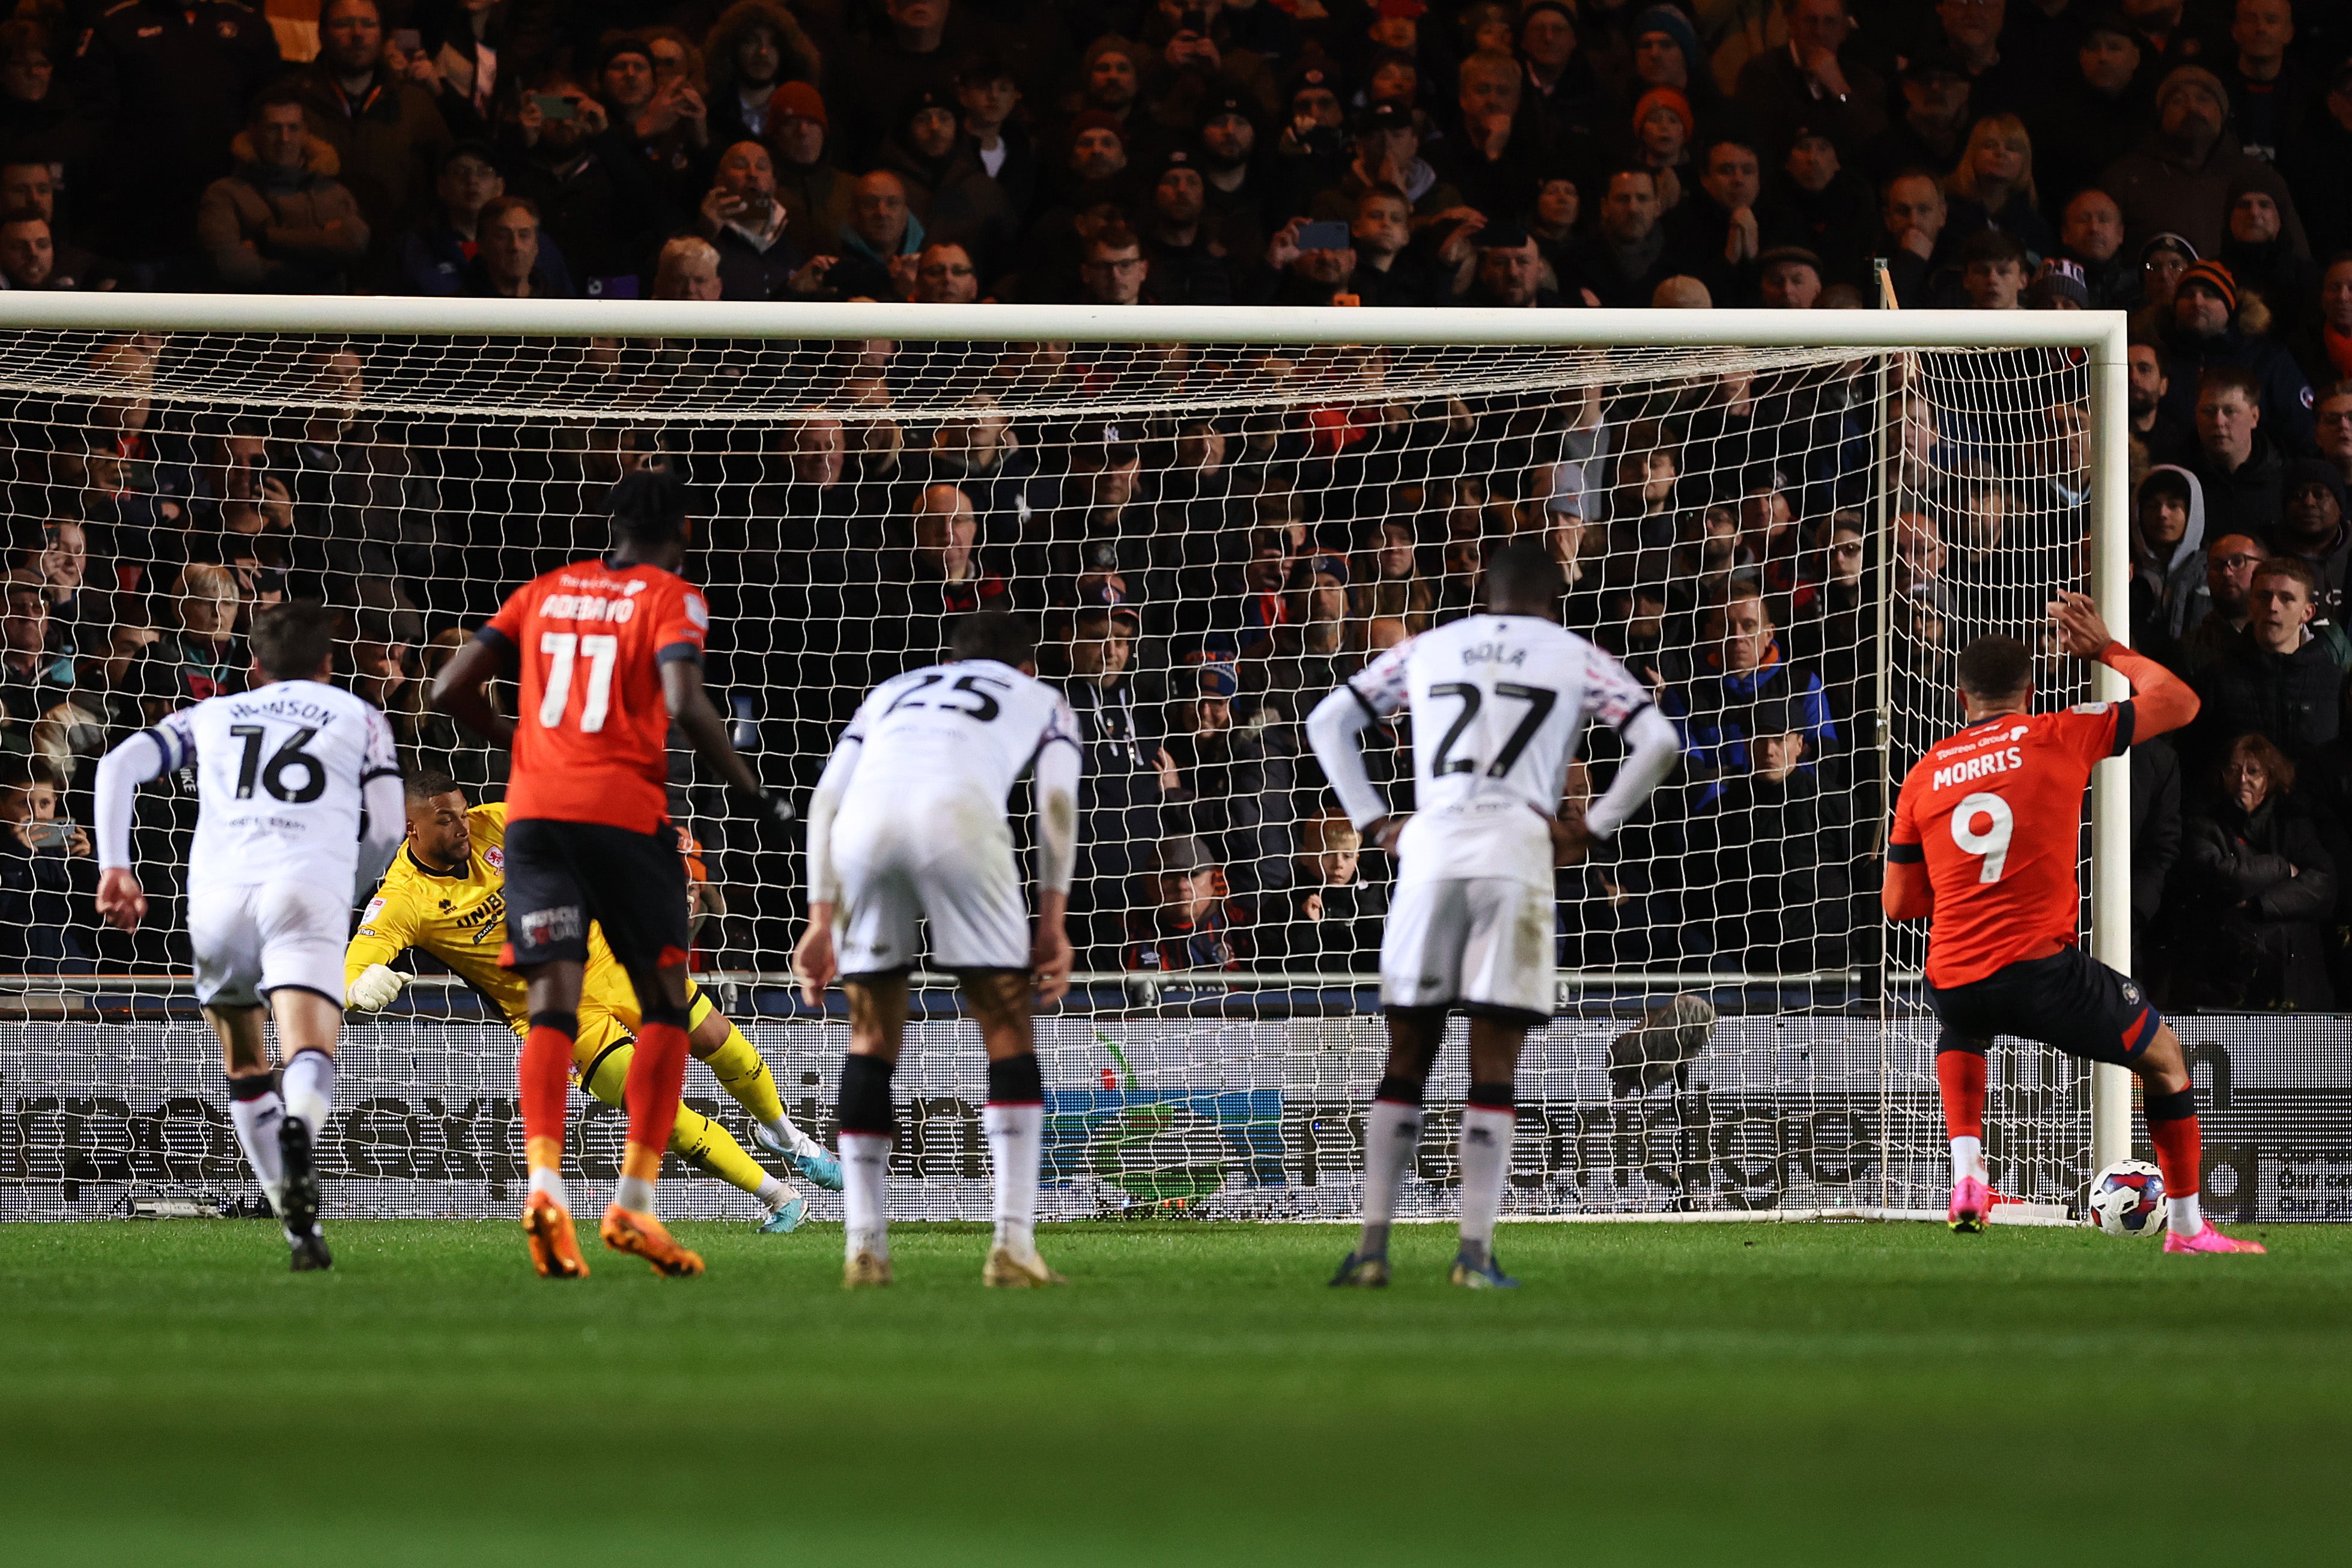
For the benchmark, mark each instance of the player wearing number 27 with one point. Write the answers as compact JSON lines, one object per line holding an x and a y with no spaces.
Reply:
{"x":607,"y":652}
{"x":298,"y":809}
{"x":1986,"y":834}
{"x":1499,"y":701}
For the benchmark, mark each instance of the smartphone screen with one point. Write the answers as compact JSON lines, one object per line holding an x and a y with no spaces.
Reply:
{"x":408,"y":41}
{"x":553,"y":105}
{"x":1331,"y":235}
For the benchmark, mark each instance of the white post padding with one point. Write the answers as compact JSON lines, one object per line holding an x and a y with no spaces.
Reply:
{"x":2111,"y":884}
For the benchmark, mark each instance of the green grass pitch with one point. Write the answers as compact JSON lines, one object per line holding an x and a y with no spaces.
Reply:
{"x":1884,"y":1394}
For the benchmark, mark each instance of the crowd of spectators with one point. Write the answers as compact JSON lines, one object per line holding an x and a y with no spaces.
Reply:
{"x":1204,"y":578}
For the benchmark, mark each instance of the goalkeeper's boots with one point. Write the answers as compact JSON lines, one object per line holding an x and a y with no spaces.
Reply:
{"x":1363,"y":1271}
{"x":1971,"y":1208}
{"x":2209,"y":1240}
{"x":817,"y":1168}
{"x":626,"y":1230}
{"x":785,"y":1216}
{"x":555,"y":1245}
{"x":864,"y":1271}
{"x":298,"y":1198}
{"x":1004,"y":1271}
{"x":1487,"y":1275}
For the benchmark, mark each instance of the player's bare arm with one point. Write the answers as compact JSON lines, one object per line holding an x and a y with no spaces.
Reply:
{"x":689,"y":705}
{"x":1051,"y":958}
{"x":461,"y":690}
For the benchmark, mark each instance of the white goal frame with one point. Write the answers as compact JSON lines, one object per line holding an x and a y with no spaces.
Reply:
{"x":2098,"y":336}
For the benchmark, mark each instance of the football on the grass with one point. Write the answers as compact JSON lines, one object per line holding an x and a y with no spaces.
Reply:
{"x":2128,"y":1199}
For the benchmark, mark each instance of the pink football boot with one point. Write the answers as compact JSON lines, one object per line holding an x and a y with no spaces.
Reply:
{"x":2209,"y":1240}
{"x":1972,"y":1207}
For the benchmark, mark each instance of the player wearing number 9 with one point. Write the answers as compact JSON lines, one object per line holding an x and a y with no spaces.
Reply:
{"x":1985,"y":838}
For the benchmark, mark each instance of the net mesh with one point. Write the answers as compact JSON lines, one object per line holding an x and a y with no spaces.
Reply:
{"x":1788,"y":545}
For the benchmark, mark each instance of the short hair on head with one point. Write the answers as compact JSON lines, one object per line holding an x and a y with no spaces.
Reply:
{"x":292,"y":642}
{"x":277,"y":95}
{"x":1115,"y":235}
{"x":1995,"y":666}
{"x":1991,"y":245}
{"x":427,"y":783}
{"x":1329,"y":832}
{"x":999,"y":634}
{"x":1523,"y":571}
{"x":2231,"y":378}
{"x":498,"y":207}
{"x":2294,"y":566}
{"x":649,"y":505}
{"x":21,"y":214}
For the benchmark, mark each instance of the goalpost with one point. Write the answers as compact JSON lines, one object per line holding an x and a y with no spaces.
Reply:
{"x":1241,"y":504}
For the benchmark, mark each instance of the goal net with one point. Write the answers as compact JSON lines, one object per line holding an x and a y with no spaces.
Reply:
{"x":1788,"y":542}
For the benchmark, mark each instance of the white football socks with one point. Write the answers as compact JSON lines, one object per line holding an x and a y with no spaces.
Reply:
{"x":309,"y":1086}
{"x":773,"y":1194}
{"x":1391,"y":1136}
{"x":866,"y":1193}
{"x":798,"y":1142}
{"x":1486,"y":1155}
{"x":257,"y":1122}
{"x":2183,"y":1215}
{"x":1015,"y":1144}
{"x":547,"y":1179}
{"x":633,"y":1194}
{"x":1969,"y":1160}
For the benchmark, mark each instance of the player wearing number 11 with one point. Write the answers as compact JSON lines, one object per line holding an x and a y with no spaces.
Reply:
{"x":1987,"y":829}
{"x":608,"y":652}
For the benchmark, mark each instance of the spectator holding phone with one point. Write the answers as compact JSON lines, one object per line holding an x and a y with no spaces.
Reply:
{"x":387,"y":136}
{"x":45,"y":868}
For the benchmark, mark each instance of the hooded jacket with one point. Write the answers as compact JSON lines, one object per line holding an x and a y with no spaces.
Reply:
{"x":2177,"y":582}
{"x":292,"y":231}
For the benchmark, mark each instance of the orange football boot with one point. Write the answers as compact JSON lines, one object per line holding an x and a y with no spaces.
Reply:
{"x":626,"y":1230}
{"x":555,"y":1245}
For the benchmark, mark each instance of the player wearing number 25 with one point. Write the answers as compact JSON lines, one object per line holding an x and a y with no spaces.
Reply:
{"x":607,"y":652}
{"x":1986,"y":835}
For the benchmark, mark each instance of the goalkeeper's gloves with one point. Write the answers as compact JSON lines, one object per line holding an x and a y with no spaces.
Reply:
{"x":771,"y":808}
{"x":373,"y":990}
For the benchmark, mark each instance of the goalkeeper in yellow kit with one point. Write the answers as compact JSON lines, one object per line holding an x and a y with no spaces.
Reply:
{"x":446,"y":894}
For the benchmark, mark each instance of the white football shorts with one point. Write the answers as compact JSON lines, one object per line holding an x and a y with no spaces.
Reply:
{"x":1481,"y":942}
{"x":252,"y":938}
{"x":961,"y":877}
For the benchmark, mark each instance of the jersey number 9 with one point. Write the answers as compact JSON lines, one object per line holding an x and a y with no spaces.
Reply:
{"x":564,"y":649}
{"x":1993,"y":845}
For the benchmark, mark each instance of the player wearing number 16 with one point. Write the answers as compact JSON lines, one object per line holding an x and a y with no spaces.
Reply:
{"x":607,"y":652}
{"x":298,"y":810}
{"x":1986,"y":834}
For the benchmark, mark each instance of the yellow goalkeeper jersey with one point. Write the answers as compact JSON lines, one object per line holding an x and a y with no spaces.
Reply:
{"x":461,"y":920}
